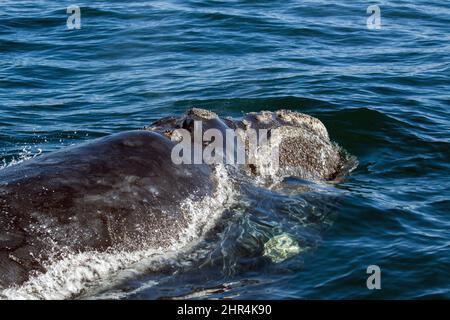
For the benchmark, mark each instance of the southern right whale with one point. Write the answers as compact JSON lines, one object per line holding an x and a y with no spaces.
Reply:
{"x":123,"y":191}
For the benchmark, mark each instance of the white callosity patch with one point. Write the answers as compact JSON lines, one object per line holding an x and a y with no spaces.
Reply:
{"x":281,"y":247}
{"x":266,"y":158}
{"x":74,"y":274}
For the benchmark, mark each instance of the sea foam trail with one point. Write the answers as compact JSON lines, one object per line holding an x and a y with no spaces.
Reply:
{"x":26,"y":154}
{"x":78,"y":273}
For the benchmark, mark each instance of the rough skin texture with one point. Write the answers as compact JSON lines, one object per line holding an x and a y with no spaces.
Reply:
{"x":306,"y":150}
{"x":124,"y":190}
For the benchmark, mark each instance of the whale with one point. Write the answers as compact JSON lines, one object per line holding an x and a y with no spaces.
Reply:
{"x":123,"y":190}
{"x":112,"y":191}
{"x":305,"y":149}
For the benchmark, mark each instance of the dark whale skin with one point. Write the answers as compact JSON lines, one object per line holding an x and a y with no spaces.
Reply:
{"x":118,"y":191}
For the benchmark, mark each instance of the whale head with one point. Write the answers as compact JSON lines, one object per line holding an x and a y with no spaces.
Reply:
{"x":304,"y":148}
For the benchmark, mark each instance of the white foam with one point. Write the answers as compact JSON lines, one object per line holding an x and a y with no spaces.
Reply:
{"x":24,"y":155}
{"x":78,"y":273}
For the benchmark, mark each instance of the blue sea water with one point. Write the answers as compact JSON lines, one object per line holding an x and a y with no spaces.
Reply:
{"x":383,"y":95}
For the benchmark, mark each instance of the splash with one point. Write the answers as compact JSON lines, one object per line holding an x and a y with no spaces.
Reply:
{"x":76,"y":274}
{"x":25,"y":154}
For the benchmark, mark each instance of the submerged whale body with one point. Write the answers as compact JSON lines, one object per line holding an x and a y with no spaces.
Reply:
{"x":123,"y":191}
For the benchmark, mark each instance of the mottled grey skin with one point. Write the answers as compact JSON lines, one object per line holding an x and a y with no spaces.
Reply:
{"x":123,"y":191}
{"x":306,"y":150}
{"x":118,"y":191}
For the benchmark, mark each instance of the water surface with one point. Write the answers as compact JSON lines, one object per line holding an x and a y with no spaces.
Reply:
{"x":383,"y":95}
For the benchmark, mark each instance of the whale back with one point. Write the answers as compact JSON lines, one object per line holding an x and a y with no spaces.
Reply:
{"x":117,"y":191}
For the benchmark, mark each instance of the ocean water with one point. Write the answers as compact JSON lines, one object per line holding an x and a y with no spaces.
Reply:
{"x":383,"y":95}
